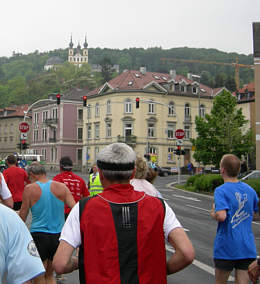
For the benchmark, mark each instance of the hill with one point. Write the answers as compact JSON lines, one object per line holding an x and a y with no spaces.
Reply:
{"x":23,"y":80}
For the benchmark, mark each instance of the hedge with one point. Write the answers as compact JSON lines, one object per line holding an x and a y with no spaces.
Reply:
{"x":205,"y":182}
{"x":255,"y":183}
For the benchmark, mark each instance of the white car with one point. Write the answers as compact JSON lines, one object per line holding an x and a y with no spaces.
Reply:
{"x":253,"y":175}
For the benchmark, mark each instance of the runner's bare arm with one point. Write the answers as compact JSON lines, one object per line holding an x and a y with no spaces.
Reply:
{"x":184,"y":251}
{"x":63,"y":261}
{"x":69,"y":200}
{"x":25,"y":203}
{"x":9,"y":202}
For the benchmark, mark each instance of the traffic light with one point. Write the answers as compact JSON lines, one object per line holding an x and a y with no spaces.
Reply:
{"x":147,"y":157}
{"x":84,"y":101}
{"x":58,"y":99}
{"x":24,"y":145}
{"x":178,"y":151}
{"x":137,"y":100}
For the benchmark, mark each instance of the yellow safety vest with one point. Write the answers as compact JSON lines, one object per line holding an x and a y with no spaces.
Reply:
{"x":95,"y":185}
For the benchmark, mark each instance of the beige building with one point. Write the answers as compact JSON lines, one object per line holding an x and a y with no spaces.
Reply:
{"x":10,"y":135}
{"x":167,"y":102}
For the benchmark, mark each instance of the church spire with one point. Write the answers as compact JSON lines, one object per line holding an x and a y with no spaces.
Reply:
{"x":71,"y":43}
{"x":85,"y":43}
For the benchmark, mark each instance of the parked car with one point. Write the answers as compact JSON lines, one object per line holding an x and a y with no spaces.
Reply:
{"x":251,"y":175}
{"x":165,"y":171}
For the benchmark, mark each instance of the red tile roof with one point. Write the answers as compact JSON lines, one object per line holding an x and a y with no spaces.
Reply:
{"x":14,"y":111}
{"x":135,"y":80}
{"x":247,"y":88}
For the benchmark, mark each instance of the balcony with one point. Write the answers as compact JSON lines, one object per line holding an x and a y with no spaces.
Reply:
{"x":129,"y":140}
{"x":187,"y":119}
{"x":52,"y":140}
{"x":51,"y":121}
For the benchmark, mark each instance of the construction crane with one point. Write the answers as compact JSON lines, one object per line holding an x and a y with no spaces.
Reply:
{"x":234,"y":64}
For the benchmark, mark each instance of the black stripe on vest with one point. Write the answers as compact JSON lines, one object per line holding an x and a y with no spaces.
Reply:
{"x":125,"y":220}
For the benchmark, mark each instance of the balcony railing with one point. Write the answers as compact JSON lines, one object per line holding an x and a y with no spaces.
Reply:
{"x":51,"y":120}
{"x":187,"y":118}
{"x":52,"y":140}
{"x":129,"y":140}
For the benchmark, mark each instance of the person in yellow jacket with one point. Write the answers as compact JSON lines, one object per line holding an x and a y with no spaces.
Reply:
{"x":95,"y":185}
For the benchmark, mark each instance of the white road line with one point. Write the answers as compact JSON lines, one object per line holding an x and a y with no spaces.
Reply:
{"x":197,"y":208}
{"x":186,"y":197}
{"x":200,"y":264}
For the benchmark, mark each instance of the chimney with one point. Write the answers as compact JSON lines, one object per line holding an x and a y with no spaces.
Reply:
{"x":143,"y":70}
{"x":189,"y":76}
{"x":172,"y":73}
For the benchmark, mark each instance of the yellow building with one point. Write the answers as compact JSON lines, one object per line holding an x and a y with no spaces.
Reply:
{"x":167,"y":102}
{"x":10,"y":136}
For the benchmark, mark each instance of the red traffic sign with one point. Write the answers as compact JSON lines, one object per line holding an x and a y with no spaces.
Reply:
{"x":179,"y":133}
{"x":24,"y":127}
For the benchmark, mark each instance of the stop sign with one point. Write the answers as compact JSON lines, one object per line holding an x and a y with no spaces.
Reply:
{"x":179,"y":133}
{"x":24,"y":127}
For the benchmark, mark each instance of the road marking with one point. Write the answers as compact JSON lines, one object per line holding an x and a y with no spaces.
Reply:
{"x":186,"y":197}
{"x":197,"y":208}
{"x":200,"y":264}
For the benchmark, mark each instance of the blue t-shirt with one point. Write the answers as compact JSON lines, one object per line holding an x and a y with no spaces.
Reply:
{"x":234,"y":238}
{"x":47,"y":212}
{"x":19,"y":258}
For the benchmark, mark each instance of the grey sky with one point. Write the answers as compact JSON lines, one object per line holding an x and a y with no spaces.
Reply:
{"x":45,"y":25}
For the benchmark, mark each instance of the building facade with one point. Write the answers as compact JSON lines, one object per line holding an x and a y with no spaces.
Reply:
{"x":10,"y":135}
{"x":78,"y":56}
{"x":167,"y":102}
{"x":57,"y":130}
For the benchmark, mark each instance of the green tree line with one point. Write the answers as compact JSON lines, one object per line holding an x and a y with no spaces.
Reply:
{"x":23,"y":79}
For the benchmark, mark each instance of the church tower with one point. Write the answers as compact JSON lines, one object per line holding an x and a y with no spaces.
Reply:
{"x":71,"y":51}
{"x":85,"y":51}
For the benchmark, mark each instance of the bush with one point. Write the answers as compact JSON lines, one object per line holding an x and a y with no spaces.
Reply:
{"x":255,"y":183}
{"x":191,"y":180}
{"x":208,"y":183}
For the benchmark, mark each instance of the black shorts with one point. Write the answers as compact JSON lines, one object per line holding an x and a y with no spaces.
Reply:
{"x":229,"y":265}
{"x":17,"y":205}
{"x":46,"y":244}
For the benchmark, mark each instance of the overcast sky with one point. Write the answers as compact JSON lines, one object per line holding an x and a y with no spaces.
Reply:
{"x":45,"y":25}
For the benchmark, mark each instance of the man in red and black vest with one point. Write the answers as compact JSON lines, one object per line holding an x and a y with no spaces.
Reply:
{"x":121,"y":231}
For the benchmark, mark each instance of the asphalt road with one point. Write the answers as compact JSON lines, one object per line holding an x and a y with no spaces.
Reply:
{"x":192,"y":211}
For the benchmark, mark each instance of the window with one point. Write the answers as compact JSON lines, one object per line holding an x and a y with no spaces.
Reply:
{"x":97,"y":130}
{"x":79,"y":155}
{"x":183,"y":88}
{"x":89,"y":111}
{"x":35,"y":135}
{"x":108,"y":129}
{"x":97,"y":110}
{"x":171,"y":131}
{"x":44,"y":115}
{"x":80,"y":114}
{"x":96,"y":152}
{"x":128,"y":129}
{"x":128,"y":106}
{"x":152,"y":150}
{"x":202,"y":111}
{"x":36,"y":117}
{"x":88,"y":131}
{"x":11,"y":128}
{"x":108,"y":107}
{"x":0,"y":129}
{"x":171,"y":110}
{"x":170,"y":154}
{"x":80,"y":133}
{"x":5,"y":129}
{"x":187,"y":132}
{"x":151,"y":107}
{"x":151,"y":130}
{"x":55,"y":113}
{"x":44,"y":134}
{"x":187,"y":110}
{"x":11,"y":138}
{"x":53,"y":154}
{"x":194,"y":90}
{"x":44,"y":154}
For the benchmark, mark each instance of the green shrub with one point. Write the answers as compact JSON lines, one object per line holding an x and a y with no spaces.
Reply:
{"x":255,"y":183}
{"x":191,"y":180}
{"x":208,"y":182}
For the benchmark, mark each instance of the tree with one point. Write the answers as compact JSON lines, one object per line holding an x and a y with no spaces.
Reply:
{"x":222,"y":131}
{"x":107,"y":69}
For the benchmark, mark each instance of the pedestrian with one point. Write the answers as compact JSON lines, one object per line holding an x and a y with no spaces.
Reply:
{"x":16,"y":178}
{"x":190,"y":168}
{"x":75,"y":183}
{"x":121,"y":231}
{"x":19,"y":258}
{"x":5,"y":194}
{"x":236,"y":203}
{"x":94,"y":184}
{"x":139,"y":182}
{"x":45,"y":198}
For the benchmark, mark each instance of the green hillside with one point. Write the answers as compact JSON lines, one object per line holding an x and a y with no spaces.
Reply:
{"x":23,"y":79}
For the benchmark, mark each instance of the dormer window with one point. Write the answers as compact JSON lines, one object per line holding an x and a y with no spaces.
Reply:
{"x":194,"y":90}
{"x":183,"y":88}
